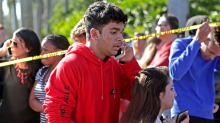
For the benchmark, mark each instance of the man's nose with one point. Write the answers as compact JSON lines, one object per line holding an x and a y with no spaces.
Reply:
{"x":120,"y":38}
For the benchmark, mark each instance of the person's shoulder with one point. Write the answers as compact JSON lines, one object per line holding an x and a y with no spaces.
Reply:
{"x":42,"y":71}
{"x":44,"y":68}
{"x":73,"y":57}
{"x":158,"y":120}
{"x":183,"y":41}
{"x":72,"y":60}
{"x":217,"y":58}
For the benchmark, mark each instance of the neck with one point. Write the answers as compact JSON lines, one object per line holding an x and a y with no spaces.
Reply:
{"x":160,"y":112}
{"x":22,"y":65}
{"x":169,"y":38}
{"x":56,"y":61}
{"x":95,"y":51}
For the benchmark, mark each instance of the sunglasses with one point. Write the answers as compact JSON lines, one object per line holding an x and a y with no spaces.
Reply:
{"x":14,"y":43}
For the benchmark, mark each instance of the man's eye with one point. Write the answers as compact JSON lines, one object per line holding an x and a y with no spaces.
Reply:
{"x":113,"y":32}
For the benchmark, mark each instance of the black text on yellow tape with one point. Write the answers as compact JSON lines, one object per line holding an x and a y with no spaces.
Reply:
{"x":32,"y":58}
{"x":171,"y":31}
{"x":217,"y":24}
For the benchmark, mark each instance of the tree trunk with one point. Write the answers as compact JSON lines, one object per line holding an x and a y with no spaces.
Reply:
{"x":38,"y":18}
{"x":179,"y":8}
{"x":48,"y":12}
{"x":1,"y":13}
{"x":65,"y":5}
{"x":47,"y":16}
{"x":14,"y":22}
{"x":26,"y":13}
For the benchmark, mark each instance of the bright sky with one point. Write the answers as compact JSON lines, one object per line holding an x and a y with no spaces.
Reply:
{"x":6,"y":9}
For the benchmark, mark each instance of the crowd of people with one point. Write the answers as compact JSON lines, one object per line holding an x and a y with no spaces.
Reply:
{"x":151,"y":82}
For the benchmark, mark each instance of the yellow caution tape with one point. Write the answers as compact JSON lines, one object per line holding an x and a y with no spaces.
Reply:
{"x":171,"y":31}
{"x":126,"y":40}
{"x":33,"y":58}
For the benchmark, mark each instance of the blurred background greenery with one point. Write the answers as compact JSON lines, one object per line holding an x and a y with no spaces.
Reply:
{"x":59,"y":16}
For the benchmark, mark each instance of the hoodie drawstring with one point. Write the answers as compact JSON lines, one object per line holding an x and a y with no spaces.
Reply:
{"x":113,"y":78}
{"x":102,"y":97}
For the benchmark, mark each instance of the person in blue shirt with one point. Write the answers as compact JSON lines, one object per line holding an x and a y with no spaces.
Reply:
{"x":192,"y":64}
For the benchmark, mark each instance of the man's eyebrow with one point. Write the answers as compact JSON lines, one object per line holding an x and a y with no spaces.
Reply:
{"x":115,"y":28}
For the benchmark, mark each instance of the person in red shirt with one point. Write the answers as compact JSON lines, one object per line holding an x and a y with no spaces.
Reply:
{"x":88,"y":83}
{"x":166,"y":22}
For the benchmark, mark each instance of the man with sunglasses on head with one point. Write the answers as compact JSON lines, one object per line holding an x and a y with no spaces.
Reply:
{"x":192,"y":63}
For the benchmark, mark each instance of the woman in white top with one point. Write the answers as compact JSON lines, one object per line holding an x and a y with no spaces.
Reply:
{"x":152,"y":93}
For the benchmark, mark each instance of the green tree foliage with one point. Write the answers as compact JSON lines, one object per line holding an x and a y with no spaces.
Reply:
{"x":206,"y":7}
{"x":142,"y":14}
{"x":61,"y":22}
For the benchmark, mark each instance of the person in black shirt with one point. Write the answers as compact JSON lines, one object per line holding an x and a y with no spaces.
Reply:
{"x":17,"y":80}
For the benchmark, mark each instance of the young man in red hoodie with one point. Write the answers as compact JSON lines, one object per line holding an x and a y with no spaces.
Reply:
{"x":88,"y":84}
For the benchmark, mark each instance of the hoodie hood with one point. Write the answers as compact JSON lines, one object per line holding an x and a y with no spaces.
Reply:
{"x":83,"y":50}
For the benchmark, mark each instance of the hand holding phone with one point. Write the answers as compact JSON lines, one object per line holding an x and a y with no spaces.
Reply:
{"x":119,"y":54}
{"x":125,"y":53}
{"x":181,"y":116}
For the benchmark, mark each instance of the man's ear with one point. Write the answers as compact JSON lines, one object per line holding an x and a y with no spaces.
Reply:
{"x":94,"y":33}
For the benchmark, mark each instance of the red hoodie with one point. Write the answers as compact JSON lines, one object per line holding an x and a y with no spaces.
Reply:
{"x":84,"y":89}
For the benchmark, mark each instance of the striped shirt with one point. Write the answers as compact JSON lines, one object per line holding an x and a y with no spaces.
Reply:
{"x":39,"y":90}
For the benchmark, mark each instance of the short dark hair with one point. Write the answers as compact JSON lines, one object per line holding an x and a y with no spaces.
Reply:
{"x":100,"y":13}
{"x":172,"y":21}
{"x":59,"y":41}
